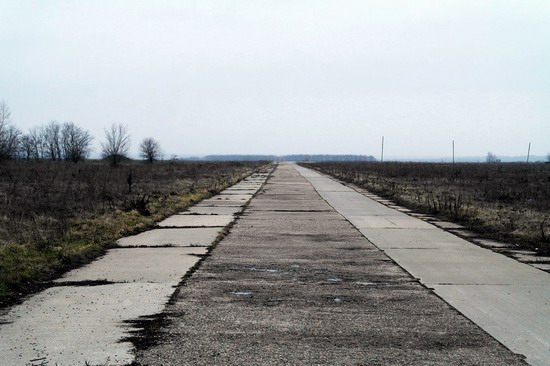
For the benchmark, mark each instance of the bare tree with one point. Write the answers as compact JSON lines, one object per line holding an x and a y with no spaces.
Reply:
{"x":149,"y":149}
{"x":5,"y":115}
{"x":36,"y":138}
{"x":75,"y":142}
{"x":9,"y":134}
{"x":52,"y":140}
{"x":31,"y":144}
{"x":26,"y":147}
{"x":117,"y":143}
{"x":9,"y":142}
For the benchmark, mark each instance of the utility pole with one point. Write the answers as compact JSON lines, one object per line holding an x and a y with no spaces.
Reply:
{"x":528,"y":152}
{"x":453,"y":151}
{"x":382,"y":154}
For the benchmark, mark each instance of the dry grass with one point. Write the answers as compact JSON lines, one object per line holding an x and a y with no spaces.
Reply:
{"x":508,"y":202}
{"x":56,"y":215}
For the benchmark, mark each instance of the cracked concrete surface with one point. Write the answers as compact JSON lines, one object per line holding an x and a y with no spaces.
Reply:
{"x":144,"y":265}
{"x":508,"y":299}
{"x":295,"y":283}
{"x":191,"y":220}
{"x":87,"y":315}
{"x":186,"y":237}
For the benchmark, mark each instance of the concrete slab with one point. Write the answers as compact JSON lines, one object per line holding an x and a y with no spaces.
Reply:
{"x":294,"y":199}
{"x":220,"y":203}
{"x":323,"y":185}
{"x":348,"y":204}
{"x":239,"y":191}
{"x":151,"y":265}
{"x":243,"y":190}
{"x":388,"y":222}
{"x":467,"y":265}
{"x":197,"y":221}
{"x":503,"y":296}
{"x":172,"y":237}
{"x":249,"y":185}
{"x":214,"y":210}
{"x":412,"y":238}
{"x":277,"y":205}
{"x":232,"y":197}
{"x":522,"y":334}
{"x":71,"y":325}
{"x":277,"y":217}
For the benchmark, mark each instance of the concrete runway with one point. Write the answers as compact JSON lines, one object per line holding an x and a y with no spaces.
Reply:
{"x":508,"y":299}
{"x":312,"y":272}
{"x":296,"y":283}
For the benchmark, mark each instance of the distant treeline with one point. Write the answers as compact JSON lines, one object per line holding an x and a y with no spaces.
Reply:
{"x":66,"y":141}
{"x":295,"y":157}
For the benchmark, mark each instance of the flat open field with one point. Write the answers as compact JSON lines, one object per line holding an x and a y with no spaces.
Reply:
{"x":57,"y":215}
{"x":508,"y":202}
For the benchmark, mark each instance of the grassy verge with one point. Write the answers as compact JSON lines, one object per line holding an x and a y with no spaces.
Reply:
{"x":38,"y":248}
{"x":504,"y":202}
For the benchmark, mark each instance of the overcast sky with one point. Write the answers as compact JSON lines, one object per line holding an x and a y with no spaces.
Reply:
{"x":278,"y":77}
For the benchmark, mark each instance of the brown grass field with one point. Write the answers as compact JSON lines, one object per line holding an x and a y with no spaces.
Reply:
{"x":508,"y":202}
{"x":57,"y":215}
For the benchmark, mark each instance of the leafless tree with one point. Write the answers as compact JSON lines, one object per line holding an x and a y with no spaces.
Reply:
{"x":52,"y":141}
{"x":36,"y":137}
{"x":31,"y":144}
{"x":117,"y":143}
{"x":9,"y":134}
{"x":75,"y":142}
{"x":26,"y":147}
{"x":9,"y":142}
{"x":5,"y":115}
{"x":149,"y":149}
